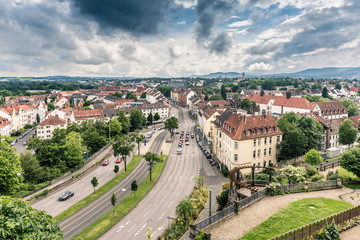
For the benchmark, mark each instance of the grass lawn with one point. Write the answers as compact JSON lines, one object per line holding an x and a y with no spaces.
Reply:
{"x":295,"y":215}
{"x":98,"y":227}
{"x":352,"y":186}
{"x":89,"y":199}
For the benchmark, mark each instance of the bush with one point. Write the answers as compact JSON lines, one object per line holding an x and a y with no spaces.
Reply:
{"x":316,"y":178}
{"x":346,"y":176}
{"x":262,"y":176}
{"x":332,"y":175}
{"x":224,"y":170}
{"x":76,"y":175}
{"x":223,"y":199}
{"x":310,"y":171}
{"x":43,"y":193}
{"x":328,"y":232}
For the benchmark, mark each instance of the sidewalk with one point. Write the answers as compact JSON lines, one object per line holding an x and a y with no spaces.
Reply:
{"x":90,"y":163}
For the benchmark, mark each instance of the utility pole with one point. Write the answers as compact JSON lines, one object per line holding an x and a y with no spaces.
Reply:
{"x":210,"y":204}
{"x":109,"y":132}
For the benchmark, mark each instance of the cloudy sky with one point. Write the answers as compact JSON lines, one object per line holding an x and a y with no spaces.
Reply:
{"x":174,"y":38}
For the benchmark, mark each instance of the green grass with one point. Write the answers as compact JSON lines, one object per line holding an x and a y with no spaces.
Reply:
{"x":89,"y":199}
{"x":295,"y":215}
{"x":98,"y":227}
{"x":352,"y":186}
{"x":22,"y":193}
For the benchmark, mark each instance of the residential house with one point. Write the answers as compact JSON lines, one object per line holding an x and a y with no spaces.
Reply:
{"x":19,"y":116}
{"x":5,"y":126}
{"x":110,"y":114}
{"x":161,"y":108}
{"x":330,"y":110}
{"x":46,"y":128}
{"x":62,"y":102}
{"x":185,"y":97}
{"x":220,"y":104}
{"x":82,"y":115}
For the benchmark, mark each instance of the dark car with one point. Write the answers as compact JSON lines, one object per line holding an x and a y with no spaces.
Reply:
{"x":66,"y":195}
{"x":206,"y":152}
{"x":208,"y":156}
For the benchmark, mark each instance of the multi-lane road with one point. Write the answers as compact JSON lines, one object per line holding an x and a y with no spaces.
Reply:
{"x":176,"y":182}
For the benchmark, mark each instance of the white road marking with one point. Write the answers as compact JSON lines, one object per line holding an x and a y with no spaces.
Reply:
{"x":171,"y":203}
{"x":156,"y":202}
{"x":140,"y":229}
{"x":132,"y":228}
{"x":123,"y":189}
{"x":147,"y":213}
{"x":158,"y":229}
{"x":161,"y":215}
{"x":122,"y":226}
{"x":180,"y":178}
{"x":169,"y":177}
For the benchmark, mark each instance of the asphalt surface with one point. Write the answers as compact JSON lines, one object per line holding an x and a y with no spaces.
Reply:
{"x":83,"y":218}
{"x":21,"y":148}
{"x":176,"y":182}
{"x":82,"y":188}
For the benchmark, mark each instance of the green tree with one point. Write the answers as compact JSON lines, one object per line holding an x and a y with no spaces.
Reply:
{"x":171,"y":124}
{"x":73,"y":150}
{"x":11,"y":174}
{"x":288,"y":122}
{"x":37,"y":118}
{"x":123,"y":146}
{"x":156,"y":117}
{"x":338,"y":86}
{"x":313,"y":157}
{"x":131,"y":95}
{"x":94,"y":183}
{"x":316,"y":86}
{"x":206,"y":98}
{"x":117,"y":94}
{"x":87,"y":103}
{"x":138,"y":138}
{"x":350,"y":160}
{"x":268,"y":85}
{"x":215,"y":97}
{"x":21,"y":221}
{"x":116,"y":170}
{"x":347,"y":133}
{"x":223,"y":199}
{"x":314,"y":98}
{"x":137,"y":119}
{"x":113,"y":202}
{"x":93,"y":140}
{"x":325,"y":93}
{"x":152,"y":159}
{"x":124,"y":121}
{"x":143,"y":95}
{"x":184,"y":209}
{"x":134,"y":187}
{"x":51,"y":106}
{"x":30,"y":165}
{"x":150,"y":119}
{"x":293,"y":144}
{"x":223,"y":92}
{"x":313,"y":131}
{"x":165,"y":90}
{"x":351,"y":107}
{"x":115,"y":127}
{"x":246,"y":104}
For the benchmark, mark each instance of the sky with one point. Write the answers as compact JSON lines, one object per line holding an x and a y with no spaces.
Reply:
{"x":176,"y":38}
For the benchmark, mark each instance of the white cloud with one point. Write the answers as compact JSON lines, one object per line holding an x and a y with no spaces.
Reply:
{"x":239,"y":24}
{"x":181,"y":23}
{"x":186,"y":3}
{"x":260,"y":66}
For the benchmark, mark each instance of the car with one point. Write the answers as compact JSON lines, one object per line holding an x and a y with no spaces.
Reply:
{"x":105,"y":162}
{"x":192,"y":135}
{"x":24,"y":143}
{"x":181,"y":140}
{"x":187,"y":143}
{"x":12,"y":144}
{"x":177,"y":132}
{"x":214,"y":163}
{"x":208,"y":156}
{"x":179,"y":146}
{"x":66,"y":195}
{"x":148,"y":136}
{"x":178,"y":151}
{"x":206,"y":152}
{"x":118,"y":160}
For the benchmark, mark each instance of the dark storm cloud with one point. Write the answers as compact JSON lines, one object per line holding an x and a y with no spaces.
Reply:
{"x":220,"y":44}
{"x":138,"y":17}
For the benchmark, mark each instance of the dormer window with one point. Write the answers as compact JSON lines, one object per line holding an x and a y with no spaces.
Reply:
{"x":257,"y":132}
{"x":269,"y":130}
{"x":264,"y":131}
{"x":247,"y":133}
{"x":276,"y":129}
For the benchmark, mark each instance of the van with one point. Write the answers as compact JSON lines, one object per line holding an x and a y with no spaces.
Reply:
{"x":178,"y":151}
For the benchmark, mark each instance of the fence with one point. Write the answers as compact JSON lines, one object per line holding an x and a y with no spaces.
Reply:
{"x":310,"y":229}
{"x":311,"y":186}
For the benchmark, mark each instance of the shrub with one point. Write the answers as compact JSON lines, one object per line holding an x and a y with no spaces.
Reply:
{"x":222,"y":199}
{"x":310,"y":171}
{"x":262,"y":176}
{"x":328,"y":232}
{"x":332,"y":175}
{"x":43,"y":193}
{"x":201,"y":235}
{"x":316,"y":178}
{"x":76,"y":175}
{"x":346,"y":176}
{"x":294,"y":174}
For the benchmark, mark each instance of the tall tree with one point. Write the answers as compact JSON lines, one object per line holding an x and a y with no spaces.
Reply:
{"x":115,"y":127}
{"x":123,"y":146}
{"x":171,"y":124}
{"x":150,"y":119}
{"x":134,"y":187}
{"x":293,"y":144}
{"x":262,"y":92}
{"x":138,"y":138}
{"x":30,"y":165}
{"x":37,"y":118}
{"x":223,"y":92}
{"x":351,"y":107}
{"x":124,"y":121}
{"x":73,"y":150}
{"x":347,"y":133}
{"x":165,"y":90}
{"x":350,"y":160}
{"x":184,"y":209}
{"x":325,"y":93}
{"x":131,"y":95}
{"x":151,"y":159}
{"x":206,"y":98}
{"x":137,"y":119}
{"x":11,"y":174}
{"x":21,"y":221}
{"x":313,"y":157}
{"x":156,"y":116}
{"x":113,"y":202}
{"x":116,"y":170}
{"x":94,"y":183}
{"x":313,"y":131}
{"x":143,"y":95}
{"x":338,"y":86}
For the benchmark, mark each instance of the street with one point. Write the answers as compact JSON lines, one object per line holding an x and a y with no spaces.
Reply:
{"x":21,"y":148}
{"x":176,"y":182}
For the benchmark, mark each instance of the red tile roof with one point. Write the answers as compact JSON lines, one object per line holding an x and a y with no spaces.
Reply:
{"x":53,"y":120}
{"x":292,"y":102}
{"x":4,"y":122}
{"x":354,"y":89}
{"x":85,"y":114}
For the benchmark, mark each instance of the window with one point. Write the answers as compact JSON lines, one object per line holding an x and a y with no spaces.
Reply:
{"x":269,"y":130}
{"x":270,"y":140}
{"x":264,"y":131}
{"x":276,"y":129}
{"x":265,"y":152}
{"x":258,"y":153}
{"x":254,"y":142}
{"x":264,"y":163}
{"x":259,"y":141}
{"x":258,"y":132}
{"x":258,"y":164}
{"x":254,"y":154}
{"x":270,"y":151}
{"x":247,"y":133}
{"x":236,"y":145}
{"x":278,"y":139}
{"x":265,"y":140}
{"x":235,"y":157}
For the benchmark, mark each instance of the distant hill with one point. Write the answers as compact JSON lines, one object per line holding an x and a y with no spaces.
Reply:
{"x":330,"y":72}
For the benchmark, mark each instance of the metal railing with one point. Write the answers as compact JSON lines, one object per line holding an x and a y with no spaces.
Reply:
{"x":216,"y":217}
{"x":311,"y":185}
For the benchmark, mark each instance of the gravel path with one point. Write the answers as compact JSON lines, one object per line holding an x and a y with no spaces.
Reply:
{"x":351,"y":234}
{"x":247,"y":219}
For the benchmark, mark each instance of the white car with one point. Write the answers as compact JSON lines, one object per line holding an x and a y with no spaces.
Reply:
{"x":178,"y":151}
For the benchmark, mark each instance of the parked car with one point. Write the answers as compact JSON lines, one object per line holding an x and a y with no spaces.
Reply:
{"x":105,"y":162}
{"x":205,"y":152}
{"x":178,"y":151}
{"x":118,"y":160}
{"x":192,"y":135}
{"x":66,"y":195}
{"x":208,"y":156}
{"x":187,"y":143}
{"x":24,"y":143}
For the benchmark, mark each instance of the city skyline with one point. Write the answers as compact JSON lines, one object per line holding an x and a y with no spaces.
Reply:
{"x":175,"y":38}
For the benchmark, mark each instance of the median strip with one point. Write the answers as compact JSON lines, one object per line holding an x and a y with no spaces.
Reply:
{"x":99,"y":192}
{"x":101,"y":225}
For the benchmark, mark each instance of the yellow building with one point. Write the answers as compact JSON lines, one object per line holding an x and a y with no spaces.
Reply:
{"x":246,"y":140}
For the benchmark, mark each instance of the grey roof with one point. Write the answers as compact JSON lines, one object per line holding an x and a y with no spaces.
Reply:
{"x":223,"y":117}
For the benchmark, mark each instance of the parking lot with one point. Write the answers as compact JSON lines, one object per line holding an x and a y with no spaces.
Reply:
{"x":21,"y":148}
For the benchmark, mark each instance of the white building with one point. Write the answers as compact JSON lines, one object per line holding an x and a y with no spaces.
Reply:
{"x":47,"y":127}
{"x":19,"y":116}
{"x":161,"y":108}
{"x":5,"y":126}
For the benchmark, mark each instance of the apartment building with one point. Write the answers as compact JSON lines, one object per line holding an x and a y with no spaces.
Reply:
{"x":5,"y":126}
{"x":330,"y":110}
{"x":246,"y":140}
{"x":19,"y":116}
{"x":82,"y":115}
{"x":46,"y":128}
{"x":161,"y":108}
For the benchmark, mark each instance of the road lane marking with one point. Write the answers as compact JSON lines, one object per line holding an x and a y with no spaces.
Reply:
{"x":171,"y":203}
{"x":147,"y":213}
{"x":177,"y":193}
{"x":161,"y":215}
{"x":122,"y":226}
{"x":140,"y":229}
{"x":158,"y":229}
{"x":156,"y":202}
{"x":132,"y":228}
